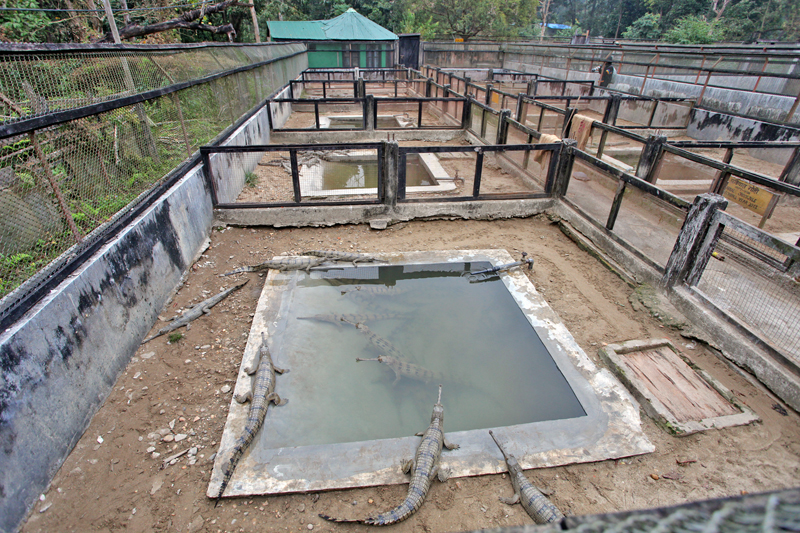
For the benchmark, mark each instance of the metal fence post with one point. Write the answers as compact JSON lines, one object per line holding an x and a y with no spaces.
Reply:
{"x":791,"y":172}
{"x":489,"y":87}
{"x":428,"y":88}
{"x":692,"y":234}
{"x":466,"y":113}
{"x":612,"y":110}
{"x":520,"y":104}
{"x":561,"y":169}
{"x":651,"y":154}
{"x":502,"y":127}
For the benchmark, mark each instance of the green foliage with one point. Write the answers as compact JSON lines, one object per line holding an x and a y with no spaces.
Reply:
{"x":23,"y":26}
{"x":421,"y":24}
{"x":647,"y":26}
{"x":175,"y":337}
{"x":251,"y":179}
{"x":467,"y":19}
{"x":693,"y":30}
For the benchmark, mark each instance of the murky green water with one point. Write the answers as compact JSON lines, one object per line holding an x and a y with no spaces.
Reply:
{"x":364,"y":174}
{"x":496,"y":370}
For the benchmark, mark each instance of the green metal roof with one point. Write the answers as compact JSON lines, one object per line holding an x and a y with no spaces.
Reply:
{"x":297,"y":30}
{"x":349,"y":26}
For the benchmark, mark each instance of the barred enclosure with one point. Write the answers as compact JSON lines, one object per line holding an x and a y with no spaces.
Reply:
{"x":86,"y":136}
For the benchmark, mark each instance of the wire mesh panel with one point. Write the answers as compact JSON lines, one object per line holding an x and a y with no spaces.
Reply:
{"x":439,"y":174}
{"x":534,"y":164}
{"x":592,"y":190}
{"x":765,"y":298}
{"x":635,"y":112}
{"x":341,"y":115}
{"x":649,"y":224}
{"x":64,"y":185}
{"x":513,"y":171}
{"x":683,"y":177}
{"x":476,"y":119}
{"x":618,"y":150}
{"x":393,"y":114}
{"x":345,"y":174}
{"x":767,"y":161}
{"x":671,"y":115}
{"x":234,"y":174}
{"x":491,"y":123}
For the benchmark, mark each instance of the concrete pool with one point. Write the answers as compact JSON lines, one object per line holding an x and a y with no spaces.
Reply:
{"x":347,"y":425}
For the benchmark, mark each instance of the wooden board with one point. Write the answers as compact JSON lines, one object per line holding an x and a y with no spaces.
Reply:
{"x":682,"y":391}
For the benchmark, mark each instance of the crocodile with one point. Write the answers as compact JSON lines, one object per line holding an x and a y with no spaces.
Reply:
{"x":533,"y":501}
{"x":351,"y":257}
{"x":281,"y":263}
{"x":375,"y":290}
{"x":393,"y":358}
{"x":263,"y":394}
{"x":424,"y":467}
{"x":403,"y":369}
{"x":195,"y":312}
{"x":337,"y":318}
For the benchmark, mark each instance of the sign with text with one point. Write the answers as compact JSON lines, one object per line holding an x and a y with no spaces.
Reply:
{"x":748,"y":195}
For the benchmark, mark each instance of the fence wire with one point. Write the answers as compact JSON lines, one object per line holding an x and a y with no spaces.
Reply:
{"x":762,"y":296}
{"x":64,"y":183}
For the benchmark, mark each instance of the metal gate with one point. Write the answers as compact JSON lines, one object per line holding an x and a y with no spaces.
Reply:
{"x":409,"y":50}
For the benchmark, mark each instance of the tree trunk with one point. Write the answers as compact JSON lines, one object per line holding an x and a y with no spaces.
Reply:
{"x":184,"y":21}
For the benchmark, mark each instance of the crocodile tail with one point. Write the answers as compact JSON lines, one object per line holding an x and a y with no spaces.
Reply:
{"x":341,"y":520}
{"x":239,"y":271}
{"x":398,"y":514}
{"x":230,"y":465}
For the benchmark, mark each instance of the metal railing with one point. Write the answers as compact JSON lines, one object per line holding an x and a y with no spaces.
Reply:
{"x":291,"y":174}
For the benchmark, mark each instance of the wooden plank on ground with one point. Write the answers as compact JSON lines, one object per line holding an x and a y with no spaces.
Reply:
{"x":682,"y":391}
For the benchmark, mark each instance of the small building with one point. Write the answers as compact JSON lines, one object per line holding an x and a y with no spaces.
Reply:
{"x":347,"y":41}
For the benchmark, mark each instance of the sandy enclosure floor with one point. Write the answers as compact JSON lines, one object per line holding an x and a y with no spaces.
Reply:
{"x":182,"y":390}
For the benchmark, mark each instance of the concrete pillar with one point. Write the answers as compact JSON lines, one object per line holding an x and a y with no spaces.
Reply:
{"x":390,"y":172}
{"x":369,"y":111}
{"x":692,"y":234}
{"x":648,"y":161}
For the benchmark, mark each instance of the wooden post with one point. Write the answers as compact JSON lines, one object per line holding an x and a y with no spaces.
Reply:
{"x":692,"y":234}
{"x":791,"y":172}
{"x":651,"y":153}
{"x":563,"y":168}
{"x":502,"y":127}
{"x":390,"y":172}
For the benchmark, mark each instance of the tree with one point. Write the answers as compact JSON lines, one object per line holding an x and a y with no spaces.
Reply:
{"x":647,"y":26}
{"x":693,"y":30}
{"x":22,"y":26}
{"x":467,"y":19}
{"x":186,"y":21}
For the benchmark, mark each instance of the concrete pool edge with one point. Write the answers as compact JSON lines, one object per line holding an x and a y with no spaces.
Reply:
{"x":611,"y":429}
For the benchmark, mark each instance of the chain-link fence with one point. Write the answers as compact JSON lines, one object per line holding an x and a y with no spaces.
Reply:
{"x":83,"y":135}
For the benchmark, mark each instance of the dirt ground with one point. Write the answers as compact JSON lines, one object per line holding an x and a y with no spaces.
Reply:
{"x":174,"y":397}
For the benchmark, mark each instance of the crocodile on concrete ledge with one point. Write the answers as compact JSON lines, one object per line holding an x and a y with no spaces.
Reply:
{"x":424,"y":467}
{"x":263,"y":394}
{"x":351,"y":257}
{"x":281,"y":263}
